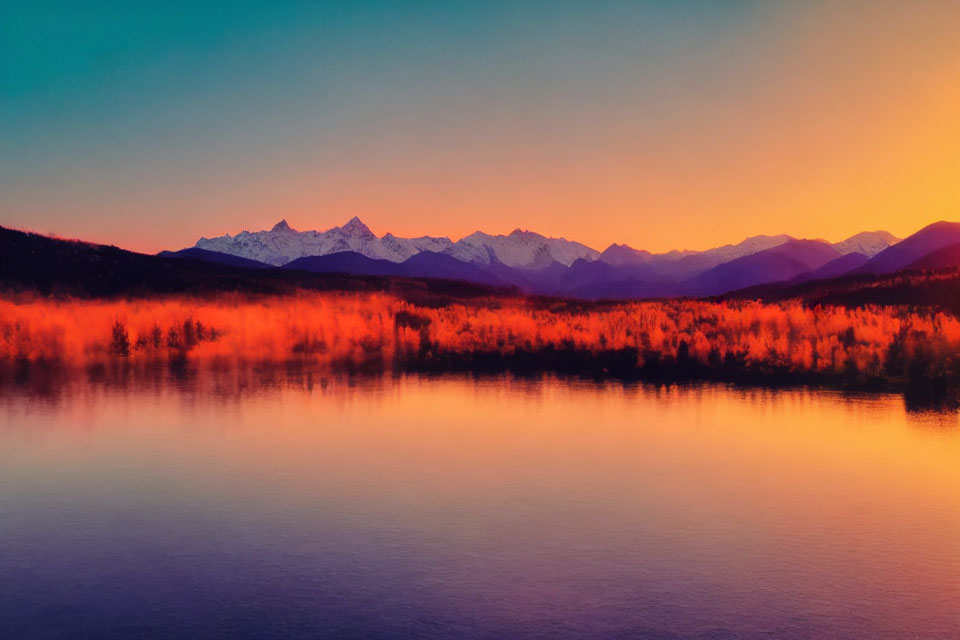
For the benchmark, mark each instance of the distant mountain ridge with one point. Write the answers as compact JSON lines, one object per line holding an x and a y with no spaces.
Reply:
{"x":282,"y":244}
{"x":520,"y":249}
{"x":911,"y":249}
{"x":787,"y":267}
{"x":776,"y":264}
{"x":545,"y":265}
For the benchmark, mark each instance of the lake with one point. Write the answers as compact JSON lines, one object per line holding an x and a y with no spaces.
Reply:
{"x":261,"y":506}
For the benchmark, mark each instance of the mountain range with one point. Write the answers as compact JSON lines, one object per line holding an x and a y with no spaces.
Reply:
{"x":922,"y":269}
{"x":281,"y":245}
{"x":553,"y":266}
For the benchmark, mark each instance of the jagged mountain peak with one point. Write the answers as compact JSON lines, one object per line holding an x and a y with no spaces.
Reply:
{"x":356,"y":227}
{"x":522,"y":249}
{"x":282,"y":244}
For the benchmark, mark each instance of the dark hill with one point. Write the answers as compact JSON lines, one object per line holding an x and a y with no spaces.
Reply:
{"x":425,"y":264}
{"x":429,"y":264}
{"x":205,"y":255}
{"x":948,"y":256}
{"x":923,"y":289}
{"x":31,"y":262}
{"x":598,"y":279}
{"x":345,"y":262}
{"x":835,"y":268}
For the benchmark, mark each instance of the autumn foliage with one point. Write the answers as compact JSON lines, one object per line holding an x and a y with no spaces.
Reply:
{"x":379,"y":331}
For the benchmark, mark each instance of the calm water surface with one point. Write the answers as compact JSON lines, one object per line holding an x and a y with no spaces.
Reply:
{"x":454,"y":508}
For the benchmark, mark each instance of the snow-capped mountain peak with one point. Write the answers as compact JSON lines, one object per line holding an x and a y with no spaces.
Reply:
{"x":282,"y":244}
{"x":356,"y":227}
{"x":522,"y":248}
{"x":869,"y":243}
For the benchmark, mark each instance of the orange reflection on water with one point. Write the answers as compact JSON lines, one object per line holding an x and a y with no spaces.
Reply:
{"x":698,"y":505}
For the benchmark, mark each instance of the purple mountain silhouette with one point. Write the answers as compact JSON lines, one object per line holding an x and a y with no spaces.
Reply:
{"x":782,"y":262}
{"x":948,"y":256}
{"x":841,"y":266}
{"x":911,"y":249}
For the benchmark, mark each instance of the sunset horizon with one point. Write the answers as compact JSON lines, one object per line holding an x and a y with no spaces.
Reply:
{"x":479,"y":319}
{"x":661,"y":126}
{"x":189,"y":242}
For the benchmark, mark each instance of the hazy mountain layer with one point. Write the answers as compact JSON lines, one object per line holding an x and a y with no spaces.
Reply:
{"x":520,"y":249}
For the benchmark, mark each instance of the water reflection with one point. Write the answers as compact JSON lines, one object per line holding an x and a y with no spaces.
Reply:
{"x":269,"y":502}
{"x":51,"y":382}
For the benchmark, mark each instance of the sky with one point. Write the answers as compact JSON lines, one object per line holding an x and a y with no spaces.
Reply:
{"x":662,"y":125}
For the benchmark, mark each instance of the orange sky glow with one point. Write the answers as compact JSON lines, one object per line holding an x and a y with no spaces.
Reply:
{"x":817,"y":122}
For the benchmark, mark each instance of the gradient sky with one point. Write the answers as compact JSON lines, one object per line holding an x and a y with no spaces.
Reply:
{"x":664,"y":125}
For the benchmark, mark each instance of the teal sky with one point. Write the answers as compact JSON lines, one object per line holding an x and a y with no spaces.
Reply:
{"x":150,"y":124}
